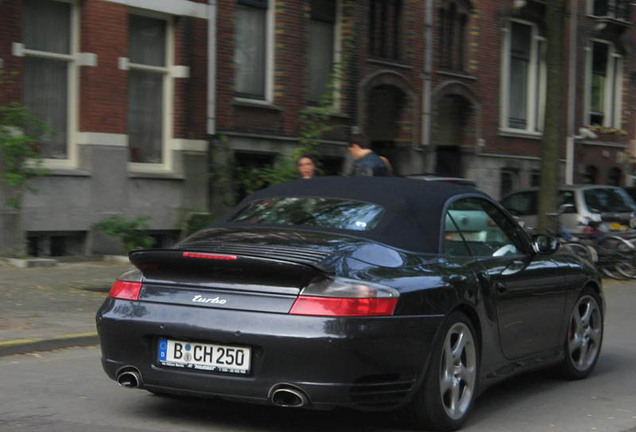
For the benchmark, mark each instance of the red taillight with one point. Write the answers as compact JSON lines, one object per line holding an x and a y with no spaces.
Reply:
{"x":332,"y":306}
{"x":209,"y":256}
{"x":125,"y":290}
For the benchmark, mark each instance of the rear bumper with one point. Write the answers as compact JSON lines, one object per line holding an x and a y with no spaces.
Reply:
{"x":363,"y":363}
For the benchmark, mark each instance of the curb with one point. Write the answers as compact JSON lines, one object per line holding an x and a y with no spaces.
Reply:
{"x":25,"y":346}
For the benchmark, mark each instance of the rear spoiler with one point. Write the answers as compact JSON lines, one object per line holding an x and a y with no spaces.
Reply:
{"x":198,"y":268}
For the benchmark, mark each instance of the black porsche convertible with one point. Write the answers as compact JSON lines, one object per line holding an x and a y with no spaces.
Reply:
{"x":367,"y":293}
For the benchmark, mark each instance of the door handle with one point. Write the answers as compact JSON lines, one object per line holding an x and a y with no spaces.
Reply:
{"x":500,"y":288}
{"x":514,"y":267}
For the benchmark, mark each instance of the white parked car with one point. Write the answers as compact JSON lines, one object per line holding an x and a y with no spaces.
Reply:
{"x":583,"y":204}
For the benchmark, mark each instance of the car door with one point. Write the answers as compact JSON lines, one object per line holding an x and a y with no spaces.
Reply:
{"x":527,"y":289}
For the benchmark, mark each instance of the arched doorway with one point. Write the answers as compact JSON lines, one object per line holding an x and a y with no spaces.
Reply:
{"x":384,"y":110}
{"x":387,"y":115}
{"x":456,"y":128}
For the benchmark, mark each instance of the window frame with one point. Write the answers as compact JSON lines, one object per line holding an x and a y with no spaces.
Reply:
{"x":613,"y":99}
{"x":612,"y":9}
{"x":453,"y":32}
{"x":385,"y":31}
{"x":168,"y":96}
{"x":336,"y":58}
{"x":517,"y":237}
{"x":73,"y":76}
{"x":268,"y":67}
{"x":536,"y":81}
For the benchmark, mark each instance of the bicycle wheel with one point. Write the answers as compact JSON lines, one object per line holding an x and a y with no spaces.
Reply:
{"x":626,"y":269}
{"x":578,"y":250}
{"x":610,"y":271}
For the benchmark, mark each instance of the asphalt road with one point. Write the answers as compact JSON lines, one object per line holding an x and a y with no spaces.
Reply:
{"x":67,"y":391}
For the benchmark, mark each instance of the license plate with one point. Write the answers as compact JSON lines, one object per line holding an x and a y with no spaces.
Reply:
{"x":615,"y":226}
{"x":202,"y":356}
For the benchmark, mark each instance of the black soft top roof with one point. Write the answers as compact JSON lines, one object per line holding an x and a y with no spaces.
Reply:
{"x":413,"y":208}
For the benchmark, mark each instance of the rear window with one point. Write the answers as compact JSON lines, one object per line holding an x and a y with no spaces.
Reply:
{"x":608,"y":200}
{"x":521,"y":204}
{"x":310,"y":211}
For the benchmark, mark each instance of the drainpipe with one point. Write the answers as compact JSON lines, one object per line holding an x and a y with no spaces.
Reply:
{"x":427,"y":75}
{"x":569,"y":149}
{"x":211,"y":116}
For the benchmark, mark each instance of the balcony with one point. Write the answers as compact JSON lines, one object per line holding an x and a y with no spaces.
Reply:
{"x":612,"y":15}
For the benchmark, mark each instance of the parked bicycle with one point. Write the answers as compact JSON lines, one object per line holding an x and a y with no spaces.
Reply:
{"x":613,"y":255}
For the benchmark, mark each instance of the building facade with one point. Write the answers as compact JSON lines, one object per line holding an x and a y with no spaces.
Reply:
{"x":122,"y":85}
{"x":277,"y":59}
{"x":143,"y":94}
{"x":489,"y":92}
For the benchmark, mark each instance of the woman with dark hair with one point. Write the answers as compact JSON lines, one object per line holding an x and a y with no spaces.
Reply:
{"x":306,"y":166}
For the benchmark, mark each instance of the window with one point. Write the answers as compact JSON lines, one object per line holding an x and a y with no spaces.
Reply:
{"x":608,"y":200}
{"x":604,"y":86}
{"x":535,"y":178}
{"x":507,"y":181}
{"x":485,"y":230}
{"x":250,"y":55}
{"x":523,"y":78}
{"x":590,"y":175}
{"x":385,"y":22}
{"x":521,"y":204}
{"x":49,"y":71}
{"x":453,"y":22}
{"x":308,"y":211}
{"x":321,"y":41}
{"x":566,"y":199}
{"x":148,"y":78}
{"x":609,"y":8}
{"x":614,"y":176}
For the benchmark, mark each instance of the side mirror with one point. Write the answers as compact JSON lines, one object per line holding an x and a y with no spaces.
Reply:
{"x":567,"y":208}
{"x":544,"y":244}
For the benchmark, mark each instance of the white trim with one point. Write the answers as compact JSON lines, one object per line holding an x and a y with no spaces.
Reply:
{"x":178,"y":71}
{"x":123,"y":63}
{"x":102,"y":139}
{"x":148,"y":68}
{"x":612,"y":115}
{"x":190,"y":145}
{"x":172,"y":7}
{"x":17,"y":49}
{"x":72,"y":111}
{"x":166,"y":164}
{"x":86,"y":59}
{"x":536,"y":81}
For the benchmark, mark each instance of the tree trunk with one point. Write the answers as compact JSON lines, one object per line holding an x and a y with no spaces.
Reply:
{"x":553,"y":125}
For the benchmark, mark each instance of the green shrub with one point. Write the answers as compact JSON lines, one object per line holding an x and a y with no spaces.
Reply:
{"x":131,"y":232}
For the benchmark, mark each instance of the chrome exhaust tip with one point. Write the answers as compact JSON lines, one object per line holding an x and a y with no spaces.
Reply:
{"x":129,"y":379}
{"x":288,"y":397}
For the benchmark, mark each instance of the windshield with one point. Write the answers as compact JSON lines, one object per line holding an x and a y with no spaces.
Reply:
{"x":311,"y":211}
{"x":608,"y":200}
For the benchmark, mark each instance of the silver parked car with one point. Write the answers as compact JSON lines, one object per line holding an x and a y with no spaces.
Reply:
{"x":583,"y":204}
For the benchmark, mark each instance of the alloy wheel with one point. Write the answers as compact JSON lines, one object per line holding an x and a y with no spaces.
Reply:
{"x":584,"y":341}
{"x":458,"y":371}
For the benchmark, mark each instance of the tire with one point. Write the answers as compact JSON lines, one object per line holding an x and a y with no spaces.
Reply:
{"x":446,"y":396}
{"x":584,"y":336}
{"x":579,"y":250}
{"x":626,"y":270}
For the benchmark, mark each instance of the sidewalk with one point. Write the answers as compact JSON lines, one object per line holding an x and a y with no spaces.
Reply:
{"x":45,"y":308}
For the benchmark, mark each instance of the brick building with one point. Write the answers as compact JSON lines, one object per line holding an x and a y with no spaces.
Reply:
{"x":136,"y":89}
{"x":489,"y":80}
{"x":122,"y":84}
{"x":275,"y":59}
{"x":455,"y":87}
